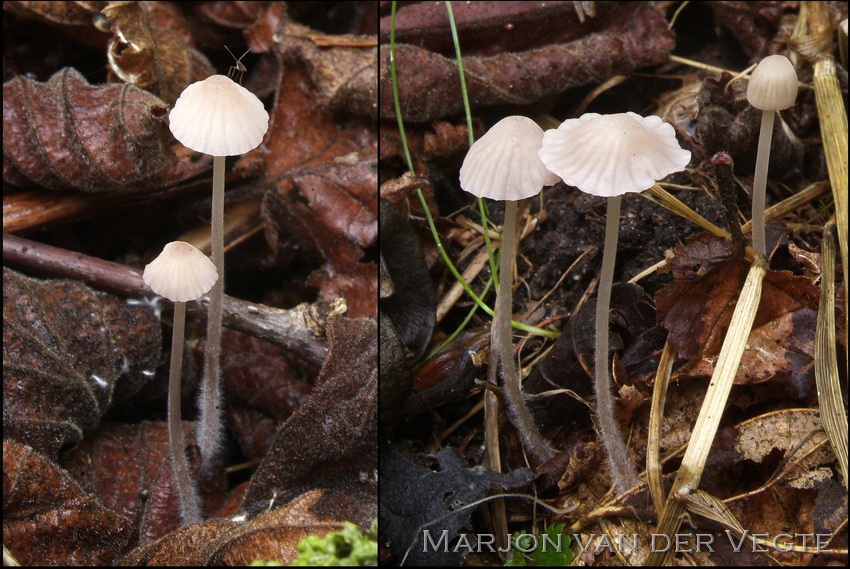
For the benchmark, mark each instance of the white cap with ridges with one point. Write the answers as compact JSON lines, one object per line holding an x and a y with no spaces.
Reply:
{"x":503,"y":164}
{"x":180,"y":273}
{"x":610,"y":155}
{"x":773,"y":84}
{"x":218,"y":117}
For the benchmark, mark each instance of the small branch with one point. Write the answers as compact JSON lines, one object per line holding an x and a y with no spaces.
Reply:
{"x":298,"y":330}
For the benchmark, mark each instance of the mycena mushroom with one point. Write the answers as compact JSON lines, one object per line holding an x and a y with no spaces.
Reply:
{"x":217,"y":117}
{"x":772,"y":87}
{"x":503,"y":165}
{"x":180,"y":273}
{"x":610,"y":155}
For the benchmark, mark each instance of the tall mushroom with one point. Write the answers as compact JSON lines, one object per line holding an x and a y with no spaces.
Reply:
{"x":180,"y":273}
{"x":610,"y":155}
{"x":773,"y":87}
{"x":503,"y":165}
{"x":217,"y":117}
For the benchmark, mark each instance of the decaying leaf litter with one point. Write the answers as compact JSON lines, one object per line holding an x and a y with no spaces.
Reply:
{"x":319,"y":158}
{"x":556,"y":263}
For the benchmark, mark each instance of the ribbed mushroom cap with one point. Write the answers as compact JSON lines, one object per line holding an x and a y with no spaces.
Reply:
{"x":218,"y":117}
{"x":180,"y":273}
{"x":503,"y":164}
{"x":610,"y":155}
{"x":773,"y":84}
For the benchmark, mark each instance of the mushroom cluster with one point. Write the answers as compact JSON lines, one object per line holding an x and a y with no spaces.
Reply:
{"x":217,"y":117}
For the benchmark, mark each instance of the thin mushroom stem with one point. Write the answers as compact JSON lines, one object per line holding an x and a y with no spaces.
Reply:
{"x":210,"y":425}
{"x":609,"y":430}
{"x":760,"y":180}
{"x":501,"y":347}
{"x":189,"y":509}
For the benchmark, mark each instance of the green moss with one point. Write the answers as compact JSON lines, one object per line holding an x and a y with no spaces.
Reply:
{"x":347,"y":547}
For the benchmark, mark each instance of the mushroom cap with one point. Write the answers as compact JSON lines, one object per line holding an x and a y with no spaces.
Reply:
{"x":218,"y":117}
{"x":610,"y":155}
{"x":180,"y":273}
{"x":503,"y":164}
{"x":773,"y":84}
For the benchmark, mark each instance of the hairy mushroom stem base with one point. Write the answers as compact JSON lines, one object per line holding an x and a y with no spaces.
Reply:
{"x":210,"y":424}
{"x":502,"y":347}
{"x":760,"y":180}
{"x":618,"y":458}
{"x":189,"y":508}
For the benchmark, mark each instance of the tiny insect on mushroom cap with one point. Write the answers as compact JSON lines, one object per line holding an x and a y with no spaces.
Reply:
{"x":180,"y":273}
{"x":773,"y":84}
{"x":503,"y":164}
{"x":610,"y":155}
{"x":218,"y":117}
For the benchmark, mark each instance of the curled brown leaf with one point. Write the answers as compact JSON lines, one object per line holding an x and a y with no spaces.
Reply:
{"x":67,"y":134}
{"x":428,"y":83}
{"x":150,"y":54}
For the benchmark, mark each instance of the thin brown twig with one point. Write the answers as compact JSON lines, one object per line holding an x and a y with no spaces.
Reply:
{"x":298,"y":330}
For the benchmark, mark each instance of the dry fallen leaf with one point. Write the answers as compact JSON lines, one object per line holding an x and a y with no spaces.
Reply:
{"x":330,"y":442}
{"x":698,"y":307}
{"x":68,"y":354}
{"x":153,"y":54}
{"x":325,"y":177}
{"x":625,"y":38}
{"x":273,"y":535}
{"x":63,"y":526}
{"x":66,"y":134}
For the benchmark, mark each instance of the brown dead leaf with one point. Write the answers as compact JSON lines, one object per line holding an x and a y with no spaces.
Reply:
{"x":63,"y":13}
{"x":790,"y":448}
{"x":331,"y":441}
{"x":635,"y":35}
{"x":153,"y":54}
{"x":68,"y":353}
{"x":49,"y":520}
{"x":128,"y":468}
{"x":273,"y":535}
{"x":326,"y":198}
{"x":66,"y":134}
{"x":262,"y":389}
{"x":345,"y":78}
{"x":489,"y":27}
{"x":698,"y":307}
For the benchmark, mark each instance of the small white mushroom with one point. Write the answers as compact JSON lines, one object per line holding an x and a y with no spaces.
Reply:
{"x":180,"y":273}
{"x":610,"y":155}
{"x":773,"y":87}
{"x":503,"y":165}
{"x":218,"y":117}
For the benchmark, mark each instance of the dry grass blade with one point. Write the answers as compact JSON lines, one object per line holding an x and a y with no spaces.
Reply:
{"x":662,"y":197}
{"x":705,"y":505}
{"x":826,"y":358}
{"x":791,"y":203}
{"x":690,"y":471}
{"x":656,"y":416}
{"x":833,"y":125}
{"x":816,"y":45}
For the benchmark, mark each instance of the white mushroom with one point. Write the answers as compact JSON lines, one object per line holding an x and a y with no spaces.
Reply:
{"x":218,"y":117}
{"x":180,"y":273}
{"x":773,"y":87}
{"x":503,"y":165}
{"x":610,"y":155}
